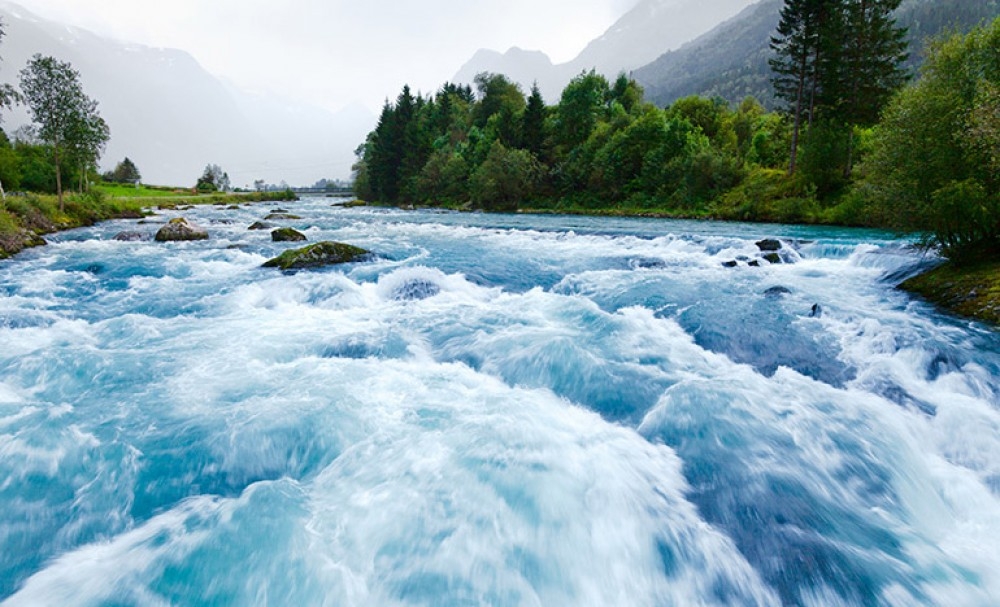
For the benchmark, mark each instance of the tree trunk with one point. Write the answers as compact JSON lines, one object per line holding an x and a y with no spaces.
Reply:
{"x":59,"y":192}
{"x":798,"y":116}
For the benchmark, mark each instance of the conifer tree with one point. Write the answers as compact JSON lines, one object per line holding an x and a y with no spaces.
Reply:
{"x":869,"y":71}
{"x":533,"y":123}
{"x":798,"y":46}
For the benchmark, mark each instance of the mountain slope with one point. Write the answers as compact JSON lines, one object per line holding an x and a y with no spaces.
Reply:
{"x":651,"y":28}
{"x":731,"y":60}
{"x":171,"y":117}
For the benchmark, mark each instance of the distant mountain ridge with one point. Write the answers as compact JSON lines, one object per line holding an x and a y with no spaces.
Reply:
{"x":651,"y":28}
{"x":731,"y":61}
{"x":171,"y":117}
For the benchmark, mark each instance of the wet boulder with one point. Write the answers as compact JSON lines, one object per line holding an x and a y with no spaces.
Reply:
{"x":180,"y":229}
{"x":130,"y":236}
{"x":777,"y":291}
{"x":769,"y":245}
{"x":772,"y":258}
{"x":280,"y":216}
{"x":318,"y":255}
{"x":287,"y":235}
{"x":260,"y":225}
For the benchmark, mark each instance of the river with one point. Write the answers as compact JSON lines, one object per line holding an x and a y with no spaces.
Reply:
{"x":496,"y":410}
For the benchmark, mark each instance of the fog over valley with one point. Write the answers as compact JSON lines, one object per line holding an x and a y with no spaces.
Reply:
{"x":287,"y":93}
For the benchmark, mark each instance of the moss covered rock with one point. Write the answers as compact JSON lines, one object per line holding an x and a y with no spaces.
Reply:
{"x":181,"y":229}
{"x":972,"y":291}
{"x":281,"y":216}
{"x":317,"y":255}
{"x":288,"y":235}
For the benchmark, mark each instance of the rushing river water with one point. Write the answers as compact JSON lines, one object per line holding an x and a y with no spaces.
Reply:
{"x":496,"y":410}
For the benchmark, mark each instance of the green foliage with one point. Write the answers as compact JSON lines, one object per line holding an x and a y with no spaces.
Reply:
{"x":506,"y":178}
{"x":213,"y":179}
{"x":124,"y":172}
{"x":444,"y":179}
{"x":768,"y":195}
{"x":68,"y":120}
{"x":933,"y":161}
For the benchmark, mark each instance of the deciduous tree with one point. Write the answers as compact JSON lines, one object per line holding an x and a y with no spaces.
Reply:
{"x":67,"y":119}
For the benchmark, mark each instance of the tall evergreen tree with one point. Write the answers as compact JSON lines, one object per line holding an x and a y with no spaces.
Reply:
{"x":798,"y":45}
{"x":533,"y":123}
{"x":873,"y":49}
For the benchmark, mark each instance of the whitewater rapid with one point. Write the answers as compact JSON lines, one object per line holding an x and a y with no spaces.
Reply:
{"x":495,"y":410}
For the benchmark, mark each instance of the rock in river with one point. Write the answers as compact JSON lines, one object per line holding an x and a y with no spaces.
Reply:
{"x":769,"y":244}
{"x":128,"y":236}
{"x":288,"y":235}
{"x":181,"y":229}
{"x":260,"y":225}
{"x":316,"y":255}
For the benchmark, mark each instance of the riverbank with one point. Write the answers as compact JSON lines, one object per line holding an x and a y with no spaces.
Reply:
{"x":24,"y":220}
{"x":971,"y":291}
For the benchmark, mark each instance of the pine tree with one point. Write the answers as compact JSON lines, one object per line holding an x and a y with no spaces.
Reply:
{"x":533,"y":123}
{"x":799,"y":46}
{"x":873,"y":50}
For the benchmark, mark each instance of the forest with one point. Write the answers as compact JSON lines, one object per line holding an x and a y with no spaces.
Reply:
{"x":859,"y":139}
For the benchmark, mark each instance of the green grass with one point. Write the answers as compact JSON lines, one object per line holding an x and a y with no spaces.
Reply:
{"x":118,"y":190}
{"x":23,"y":219}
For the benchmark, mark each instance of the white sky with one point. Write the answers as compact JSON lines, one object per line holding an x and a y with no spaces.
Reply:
{"x":334,"y":52}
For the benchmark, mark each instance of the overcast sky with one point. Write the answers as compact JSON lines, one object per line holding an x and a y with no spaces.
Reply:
{"x":333,"y":52}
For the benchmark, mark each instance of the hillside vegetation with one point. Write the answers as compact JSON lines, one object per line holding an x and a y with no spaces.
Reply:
{"x":731,"y":61}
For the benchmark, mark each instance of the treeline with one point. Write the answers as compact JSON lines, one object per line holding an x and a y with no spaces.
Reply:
{"x":927,"y":162}
{"x":600,"y":147}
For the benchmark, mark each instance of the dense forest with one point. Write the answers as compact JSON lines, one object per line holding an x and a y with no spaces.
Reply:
{"x":927,"y":160}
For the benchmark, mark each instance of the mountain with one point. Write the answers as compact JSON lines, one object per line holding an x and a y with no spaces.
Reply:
{"x":731,"y":61}
{"x":171,"y":117}
{"x":524,"y":67}
{"x":651,"y":28}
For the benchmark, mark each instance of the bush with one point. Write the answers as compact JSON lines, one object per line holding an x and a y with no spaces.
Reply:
{"x":505,"y":178}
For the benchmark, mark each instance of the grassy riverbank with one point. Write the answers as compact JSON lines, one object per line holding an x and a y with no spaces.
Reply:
{"x":25,"y":219}
{"x":972,"y":290}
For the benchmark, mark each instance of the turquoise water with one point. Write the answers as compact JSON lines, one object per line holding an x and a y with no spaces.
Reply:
{"x":496,"y":410}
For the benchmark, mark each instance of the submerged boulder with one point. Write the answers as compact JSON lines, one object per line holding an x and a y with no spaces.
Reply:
{"x":288,"y":235}
{"x":317,"y":255}
{"x":279,"y":216}
{"x":260,"y":225}
{"x":129,"y":236}
{"x":180,"y":229}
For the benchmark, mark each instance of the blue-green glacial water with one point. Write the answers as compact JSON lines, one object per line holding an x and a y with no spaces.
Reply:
{"x":496,"y":410}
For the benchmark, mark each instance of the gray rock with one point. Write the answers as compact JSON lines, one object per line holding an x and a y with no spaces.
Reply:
{"x":730,"y":264}
{"x":180,"y":229}
{"x":128,"y":236}
{"x":769,"y":244}
{"x":279,"y":216}
{"x":260,"y":225}
{"x":777,"y":291}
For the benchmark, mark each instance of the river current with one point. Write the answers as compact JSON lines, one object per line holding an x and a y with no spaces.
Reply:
{"x":496,"y":410}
